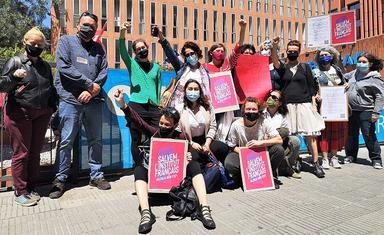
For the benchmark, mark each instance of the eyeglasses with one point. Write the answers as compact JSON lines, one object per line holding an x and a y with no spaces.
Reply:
{"x":274,"y":97}
{"x":190,"y":54}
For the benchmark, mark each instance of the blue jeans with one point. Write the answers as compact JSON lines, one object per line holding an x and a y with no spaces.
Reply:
{"x":362,"y":120}
{"x":71,"y":118}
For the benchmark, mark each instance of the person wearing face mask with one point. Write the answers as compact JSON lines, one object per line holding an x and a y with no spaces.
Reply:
{"x":27,"y":80}
{"x":365,"y":92}
{"x":198,"y":122}
{"x":190,"y":69}
{"x":81,"y":72}
{"x":166,"y":129}
{"x":300,"y":90}
{"x":253,"y":131}
{"x":334,"y":136}
{"x":276,"y":112}
{"x":145,"y":90}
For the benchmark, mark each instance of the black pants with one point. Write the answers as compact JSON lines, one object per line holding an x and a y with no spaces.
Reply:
{"x":149,"y":113}
{"x":218,"y":148}
{"x":141,"y":173}
{"x":232,"y":162}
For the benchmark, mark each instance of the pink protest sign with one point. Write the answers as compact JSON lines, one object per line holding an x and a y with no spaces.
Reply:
{"x":343,"y":28}
{"x":167,"y":164}
{"x":256,"y":171}
{"x":223,"y":93}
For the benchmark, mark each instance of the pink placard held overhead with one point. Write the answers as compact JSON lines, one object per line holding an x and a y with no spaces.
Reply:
{"x":252,"y":77}
{"x":167,"y":164}
{"x":223,"y":93}
{"x":256,"y":171}
{"x":343,"y":28}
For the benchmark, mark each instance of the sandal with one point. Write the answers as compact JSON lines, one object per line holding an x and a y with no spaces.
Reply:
{"x":206,"y":218}
{"x":147,"y":219}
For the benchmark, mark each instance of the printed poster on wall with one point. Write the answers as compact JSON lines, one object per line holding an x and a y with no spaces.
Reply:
{"x":167,"y":164}
{"x":343,"y":28}
{"x":256,"y":171}
{"x":223,"y":93}
{"x":334,"y":106}
{"x":318,"y":31}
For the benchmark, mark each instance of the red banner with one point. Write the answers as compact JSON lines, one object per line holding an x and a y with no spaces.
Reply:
{"x":343,"y":28}
{"x":252,"y":77}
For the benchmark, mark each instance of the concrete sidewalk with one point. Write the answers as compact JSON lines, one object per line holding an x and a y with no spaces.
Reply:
{"x":346,"y":201}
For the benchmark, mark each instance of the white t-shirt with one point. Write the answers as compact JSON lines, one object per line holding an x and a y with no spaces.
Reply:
{"x":333,"y":78}
{"x":278,"y":120}
{"x":196,"y":122}
{"x":239,"y":135}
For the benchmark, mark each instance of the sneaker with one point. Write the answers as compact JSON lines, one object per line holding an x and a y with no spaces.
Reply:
{"x":25,"y":200}
{"x":101,"y":184}
{"x":34,"y":195}
{"x":318,"y":170}
{"x":325,"y":164}
{"x":335,"y":163}
{"x":349,"y":159}
{"x":57,"y":190}
{"x":377,"y":164}
{"x":204,"y":215}
{"x":296,"y":175}
{"x":146,"y":222}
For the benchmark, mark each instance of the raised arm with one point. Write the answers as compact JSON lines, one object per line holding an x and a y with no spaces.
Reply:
{"x":274,"y":56}
{"x":236,"y":51}
{"x":171,"y":55}
{"x":123,"y":48}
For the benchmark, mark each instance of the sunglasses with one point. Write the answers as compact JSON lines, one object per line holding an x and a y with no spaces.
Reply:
{"x":274,"y":97}
{"x":190,"y":54}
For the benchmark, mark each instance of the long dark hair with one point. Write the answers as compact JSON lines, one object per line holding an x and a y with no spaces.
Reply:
{"x":202,"y":100}
{"x":377,"y":64}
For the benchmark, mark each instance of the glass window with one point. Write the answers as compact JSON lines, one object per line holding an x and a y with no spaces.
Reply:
{"x":303,"y":35}
{"x":153,"y":14}
{"x":104,"y":13}
{"x":233,"y":21}
{"x":164,"y":19}
{"x":174,"y":28}
{"x":225,"y":27}
{"x":105,"y":44}
{"x":249,"y":5}
{"x":289,"y":31}
{"x":205,"y":25}
{"x":195,"y":24}
{"x":129,"y":13}
{"x":250,"y":23}
{"x":258,"y":5}
{"x":282,"y":39}
{"x":153,"y":49}
{"x":258,"y":31}
{"x":185,"y":23}
{"x":309,"y":8}
{"x":322,"y":7}
{"x":281,"y":7}
{"x":273,"y":6}
{"x":297,"y":31}
{"x":317,"y":7}
{"x":117,"y":54}
{"x":232,"y":3}
{"x":90,"y":6}
{"x":223,"y":3}
{"x":215,"y":33}
{"x":266,"y":29}
{"x":117,"y":15}
{"x":76,"y":12}
{"x":63,"y":15}
{"x":289,"y":8}
{"x":303,"y":9}
{"x":266,"y":6}
{"x":296,"y":8}
{"x":141,"y":17}
{"x":274,"y":28}
{"x":241,"y":4}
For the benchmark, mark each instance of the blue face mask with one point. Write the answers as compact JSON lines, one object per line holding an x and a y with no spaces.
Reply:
{"x":192,"y":95}
{"x":324,"y":60}
{"x":192,"y":60}
{"x":362,"y":67}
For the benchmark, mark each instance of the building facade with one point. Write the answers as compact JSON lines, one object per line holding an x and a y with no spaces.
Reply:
{"x":203,"y":21}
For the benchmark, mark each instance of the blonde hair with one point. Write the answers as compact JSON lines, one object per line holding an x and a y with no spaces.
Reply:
{"x":34,"y":31}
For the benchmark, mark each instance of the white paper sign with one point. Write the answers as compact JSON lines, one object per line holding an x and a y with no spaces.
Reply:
{"x":334,"y":104}
{"x":319,"y":31}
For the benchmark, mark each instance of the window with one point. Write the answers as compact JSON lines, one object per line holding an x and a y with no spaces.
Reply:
{"x":63,"y":15}
{"x":289,"y":8}
{"x":258,"y":41}
{"x":233,"y":25}
{"x":303,"y":35}
{"x":266,"y":6}
{"x":105,"y":44}
{"x":153,"y":49}
{"x":174,"y":29}
{"x":303,"y":8}
{"x":90,"y":6}
{"x":249,"y":5}
{"x":76,"y":12}
{"x":185,"y":31}
{"x":289,"y":31}
{"x":214,"y":2}
{"x":309,"y":8}
{"x":129,"y":13}
{"x":141,"y":17}
{"x":232,"y":3}
{"x":215,"y":33}
{"x":281,"y":7}
{"x":250,"y":23}
{"x":273,"y":6}
{"x":296,"y":8}
{"x":117,"y":54}
{"x":117,"y":15}
{"x":356,"y":8}
{"x":195,"y":24}
{"x":104,"y":13}
{"x":258,"y":5}
{"x":205,"y":1}
{"x":205,"y":25}
{"x":282,"y":39}
{"x":164,"y":21}
{"x":297,"y":31}
{"x":225,"y":27}
{"x":153,"y":14}
{"x":317,"y":7}
{"x":322,"y":7}
{"x":241,"y":4}
{"x":266,"y":29}
{"x":223,"y":3}
{"x":274,"y":28}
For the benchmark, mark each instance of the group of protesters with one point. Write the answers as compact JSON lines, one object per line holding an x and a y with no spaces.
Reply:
{"x":290,"y":108}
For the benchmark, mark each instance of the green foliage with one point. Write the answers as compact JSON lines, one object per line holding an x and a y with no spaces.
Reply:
{"x":8,"y":52}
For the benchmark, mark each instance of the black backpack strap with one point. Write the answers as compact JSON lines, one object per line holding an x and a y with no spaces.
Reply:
{"x":170,"y":216}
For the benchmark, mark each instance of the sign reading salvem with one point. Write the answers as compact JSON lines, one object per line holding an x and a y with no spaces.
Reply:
{"x":167,"y":164}
{"x":223,"y":93}
{"x":256,"y":171}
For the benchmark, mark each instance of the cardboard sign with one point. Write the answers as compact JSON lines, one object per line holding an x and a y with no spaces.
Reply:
{"x":252,"y":77}
{"x":343,"y":28}
{"x":256,"y":171}
{"x":334,"y":104}
{"x":223,"y":93}
{"x":167,"y":164}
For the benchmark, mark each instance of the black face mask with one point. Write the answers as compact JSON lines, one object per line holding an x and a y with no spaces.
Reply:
{"x":251,"y":116}
{"x":86,"y":32}
{"x":293,"y":56}
{"x":143,"y":54}
{"x":165,"y":132}
{"x":33,"y":51}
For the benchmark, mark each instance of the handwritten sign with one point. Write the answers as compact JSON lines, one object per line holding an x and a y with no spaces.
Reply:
{"x":167,"y":164}
{"x":256,"y":171}
{"x":318,"y":32}
{"x":223,"y":93}
{"x":334,"y":106}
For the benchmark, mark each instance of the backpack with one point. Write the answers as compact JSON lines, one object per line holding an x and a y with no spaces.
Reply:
{"x":212,"y":177}
{"x":226,"y":181}
{"x":185,"y":201}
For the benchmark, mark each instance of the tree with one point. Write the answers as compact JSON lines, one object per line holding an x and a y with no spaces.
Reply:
{"x":17,"y":17}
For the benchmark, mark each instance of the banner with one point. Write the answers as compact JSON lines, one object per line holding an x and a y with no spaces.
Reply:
{"x":256,"y":172}
{"x":252,"y":77}
{"x":334,"y":107}
{"x":318,"y":32}
{"x":167,"y":164}
{"x":343,"y":28}
{"x":223,"y":93}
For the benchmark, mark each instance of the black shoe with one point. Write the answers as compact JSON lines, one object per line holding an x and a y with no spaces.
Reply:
{"x":57,"y":190}
{"x":204,"y":215}
{"x":101,"y":184}
{"x":277,"y":182}
{"x":318,"y":170}
{"x":297,"y":166}
{"x":147,"y":219}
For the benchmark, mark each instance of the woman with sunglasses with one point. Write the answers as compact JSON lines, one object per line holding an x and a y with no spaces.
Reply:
{"x":28,"y":81}
{"x":276,"y":112}
{"x":334,"y":136}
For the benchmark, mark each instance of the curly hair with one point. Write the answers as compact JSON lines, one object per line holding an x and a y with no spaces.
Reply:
{"x":214,"y":47}
{"x":377,"y":64}
{"x":249,"y":99}
{"x":244,"y":47}
{"x":202,"y":100}
{"x":194,"y":47}
{"x":331,"y":50}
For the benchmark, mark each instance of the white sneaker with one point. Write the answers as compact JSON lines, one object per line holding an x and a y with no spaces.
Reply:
{"x":335,"y":163}
{"x":325,"y":164}
{"x":377,"y":165}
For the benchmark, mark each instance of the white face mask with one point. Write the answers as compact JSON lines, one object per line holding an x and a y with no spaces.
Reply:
{"x":265,"y":53}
